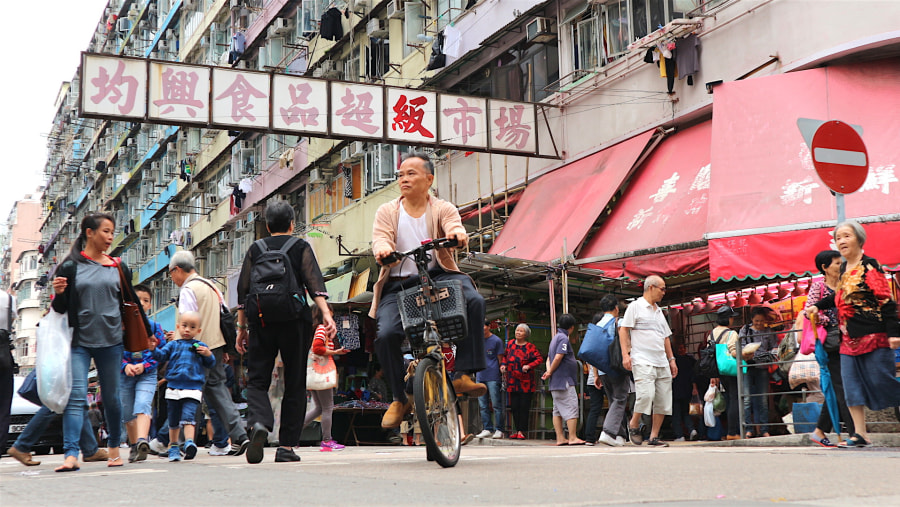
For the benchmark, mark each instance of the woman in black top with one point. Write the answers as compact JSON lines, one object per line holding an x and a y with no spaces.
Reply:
{"x":87,"y":287}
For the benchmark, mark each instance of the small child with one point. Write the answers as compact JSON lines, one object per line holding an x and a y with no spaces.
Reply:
{"x":187,"y":359}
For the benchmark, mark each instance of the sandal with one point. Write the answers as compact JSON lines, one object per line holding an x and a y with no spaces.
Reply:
{"x":824,"y":442}
{"x":72,"y":468}
{"x":635,"y":436}
{"x":855,"y":440}
{"x":114,"y":462}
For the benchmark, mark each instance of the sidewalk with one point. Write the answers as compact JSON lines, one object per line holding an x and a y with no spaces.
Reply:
{"x":800,"y":440}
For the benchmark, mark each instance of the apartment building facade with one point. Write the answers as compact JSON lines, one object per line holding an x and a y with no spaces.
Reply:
{"x":21,"y":276}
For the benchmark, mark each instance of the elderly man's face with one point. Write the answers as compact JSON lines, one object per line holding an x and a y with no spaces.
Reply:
{"x":413,"y":178}
{"x":178,"y":276}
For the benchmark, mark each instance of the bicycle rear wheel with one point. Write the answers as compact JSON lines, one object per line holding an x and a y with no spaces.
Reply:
{"x":436,"y":412}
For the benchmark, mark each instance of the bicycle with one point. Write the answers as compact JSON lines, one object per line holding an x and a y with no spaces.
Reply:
{"x":433,"y":314}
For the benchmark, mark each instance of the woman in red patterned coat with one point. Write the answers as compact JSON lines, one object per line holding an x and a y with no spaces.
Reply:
{"x":868,"y":320}
{"x":521,"y":358}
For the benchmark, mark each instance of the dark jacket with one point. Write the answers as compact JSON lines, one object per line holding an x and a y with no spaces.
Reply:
{"x":68,"y":301}
{"x":184,"y":367}
{"x":330,"y":25}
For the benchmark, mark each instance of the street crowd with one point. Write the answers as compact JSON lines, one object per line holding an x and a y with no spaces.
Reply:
{"x":646,"y":376}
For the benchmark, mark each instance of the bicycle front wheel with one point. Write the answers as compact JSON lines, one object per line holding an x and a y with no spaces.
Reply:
{"x":436,"y":412}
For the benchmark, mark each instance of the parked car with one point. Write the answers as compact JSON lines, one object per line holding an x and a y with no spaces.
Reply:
{"x":20,"y":415}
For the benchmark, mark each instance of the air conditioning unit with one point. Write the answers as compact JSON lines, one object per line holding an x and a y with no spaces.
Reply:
{"x":189,"y":4}
{"x":213,"y":27}
{"x":316,"y":176}
{"x":245,"y":145}
{"x":327,"y":69}
{"x":204,"y":41}
{"x":122,"y":151}
{"x":224,"y":237}
{"x":395,"y":10}
{"x":212,"y":200}
{"x":171,"y":147}
{"x":281,"y":26}
{"x":154,"y":225}
{"x":129,"y":142}
{"x":357,"y":148}
{"x":346,"y":155}
{"x":376,"y":28}
{"x":251,"y":218}
{"x":123,"y":25}
{"x":539,"y":30}
{"x":163,"y":45}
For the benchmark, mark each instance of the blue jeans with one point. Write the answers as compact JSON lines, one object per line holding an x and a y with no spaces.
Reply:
{"x":183,"y":412}
{"x":38,"y":424}
{"x":136,"y":395}
{"x":109,"y":363}
{"x":220,"y":433}
{"x":756,"y":381}
{"x":497,"y":401}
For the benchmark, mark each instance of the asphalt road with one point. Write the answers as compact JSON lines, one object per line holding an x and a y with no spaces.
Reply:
{"x":486,"y":475}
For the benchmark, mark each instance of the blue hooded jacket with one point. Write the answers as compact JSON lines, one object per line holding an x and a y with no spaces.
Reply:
{"x":187,"y":369}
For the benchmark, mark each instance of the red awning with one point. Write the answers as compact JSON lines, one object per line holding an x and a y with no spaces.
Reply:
{"x":561,"y":206}
{"x":664,"y":206}
{"x":791,"y":253}
{"x":764,"y":183}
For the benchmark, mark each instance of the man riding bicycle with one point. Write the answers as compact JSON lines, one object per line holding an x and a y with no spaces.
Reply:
{"x":403,"y":224}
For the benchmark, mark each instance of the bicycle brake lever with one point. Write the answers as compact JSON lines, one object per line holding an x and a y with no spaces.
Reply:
{"x":389,"y":259}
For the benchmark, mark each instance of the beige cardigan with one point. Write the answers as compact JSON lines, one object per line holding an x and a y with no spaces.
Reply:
{"x":442,"y":218}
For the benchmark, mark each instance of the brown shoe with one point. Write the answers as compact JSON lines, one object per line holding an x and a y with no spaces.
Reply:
{"x":732,"y":437}
{"x":23,"y":457}
{"x":395,"y":414}
{"x":100,"y":455}
{"x":464,"y":385}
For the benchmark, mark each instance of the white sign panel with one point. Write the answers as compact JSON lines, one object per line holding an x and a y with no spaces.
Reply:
{"x":300,"y":104}
{"x":179,"y":93}
{"x":512,"y":126}
{"x":357,"y":110}
{"x":463,"y":121}
{"x":412,"y":115}
{"x":114,"y":86}
{"x":240,"y":98}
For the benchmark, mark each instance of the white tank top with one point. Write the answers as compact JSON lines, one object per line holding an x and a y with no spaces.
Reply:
{"x":411,"y":232}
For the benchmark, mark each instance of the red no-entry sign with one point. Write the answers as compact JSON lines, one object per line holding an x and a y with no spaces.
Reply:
{"x":840,"y":157}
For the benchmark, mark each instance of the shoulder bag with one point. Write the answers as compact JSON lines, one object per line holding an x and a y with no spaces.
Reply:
{"x":321,"y":372}
{"x":134,"y":336}
{"x":226,"y":321}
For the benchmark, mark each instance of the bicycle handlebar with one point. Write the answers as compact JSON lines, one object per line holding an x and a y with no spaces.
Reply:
{"x":428,"y":245}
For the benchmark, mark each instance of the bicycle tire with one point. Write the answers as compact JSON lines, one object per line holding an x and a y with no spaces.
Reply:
{"x":436,"y":412}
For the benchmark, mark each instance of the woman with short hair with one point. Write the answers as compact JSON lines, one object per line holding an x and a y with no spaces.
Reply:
{"x":521,"y":358}
{"x":868,"y":321}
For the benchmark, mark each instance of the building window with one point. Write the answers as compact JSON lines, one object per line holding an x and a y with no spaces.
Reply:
{"x":413,"y":26}
{"x":24,"y":291}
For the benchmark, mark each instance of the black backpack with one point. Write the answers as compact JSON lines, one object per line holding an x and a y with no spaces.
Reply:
{"x":707,"y":365}
{"x":274,"y":295}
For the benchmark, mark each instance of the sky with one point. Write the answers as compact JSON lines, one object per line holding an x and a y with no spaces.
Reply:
{"x":43,"y":49}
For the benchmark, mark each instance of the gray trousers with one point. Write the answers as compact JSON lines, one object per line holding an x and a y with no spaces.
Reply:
{"x":617,"y":389}
{"x":323,"y":404}
{"x":216,"y":395}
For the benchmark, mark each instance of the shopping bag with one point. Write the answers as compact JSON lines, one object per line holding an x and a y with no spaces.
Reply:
{"x":809,"y":335}
{"x":710,"y":394}
{"x":696,"y":407}
{"x":53,"y":364}
{"x":321,"y":372}
{"x":595,"y":345}
{"x":29,"y":389}
{"x":726,"y":363}
{"x":709,"y":414}
{"x":719,"y":403}
{"x":804,"y":370}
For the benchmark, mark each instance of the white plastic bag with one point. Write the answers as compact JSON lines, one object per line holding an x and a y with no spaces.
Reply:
{"x":53,"y":364}
{"x":709,"y":415}
{"x":710,"y":394}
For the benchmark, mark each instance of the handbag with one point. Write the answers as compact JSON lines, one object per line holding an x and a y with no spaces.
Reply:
{"x":595,"y":346}
{"x":135,"y":337}
{"x":321,"y":372}
{"x":726,"y":363}
{"x":832,"y":339}
{"x":808,"y":336}
{"x":226,"y":321}
{"x":29,"y":389}
{"x":707,"y":366}
{"x":615,"y":359}
{"x":805,"y":370}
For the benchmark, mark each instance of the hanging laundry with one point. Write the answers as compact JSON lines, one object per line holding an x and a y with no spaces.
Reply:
{"x":246,"y":185}
{"x":330,"y":25}
{"x":238,"y":43}
{"x":185,"y":173}
{"x":687,"y":56}
{"x":348,"y":182}
{"x":177,"y":237}
{"x":238,"y":195}
{"x":452,"y":43}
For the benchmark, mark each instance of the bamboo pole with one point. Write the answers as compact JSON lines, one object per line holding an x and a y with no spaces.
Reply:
{"x":478,"y":182}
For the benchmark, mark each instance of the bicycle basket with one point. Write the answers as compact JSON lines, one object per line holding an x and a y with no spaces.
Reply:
{"x":450,"y":312}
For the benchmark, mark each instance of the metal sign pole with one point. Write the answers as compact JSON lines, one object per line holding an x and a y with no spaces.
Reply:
{"x":841,"y":211}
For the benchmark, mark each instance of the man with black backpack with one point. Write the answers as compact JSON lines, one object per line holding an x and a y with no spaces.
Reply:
{"x":273,"y":317}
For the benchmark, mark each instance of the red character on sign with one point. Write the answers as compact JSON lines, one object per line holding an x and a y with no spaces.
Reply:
{"x":409,"y":116}
{"x":295,"y":113}
{"x":512,"y":131}
{"x":112,"y":87}
{"x":240,"y":92}
{"x":464,"y":125}
{"x":357,"y":111}
{"x":179,"y":88}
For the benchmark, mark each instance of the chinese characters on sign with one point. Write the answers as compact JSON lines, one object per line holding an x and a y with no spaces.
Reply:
{"x":114,"y":87}
{"x":224,"y":98}
{"x":183,"y":93}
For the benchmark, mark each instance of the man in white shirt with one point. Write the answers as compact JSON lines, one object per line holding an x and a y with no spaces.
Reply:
{"x":647,"y":351}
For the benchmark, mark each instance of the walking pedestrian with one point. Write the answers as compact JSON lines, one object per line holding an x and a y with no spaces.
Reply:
{"x":490,"y":376}
{"x":275,"y":328}
{"x":87,"y":286}
{"x":562,"y":374}
{"x":323,"y":400}
{"x":616,"y":386}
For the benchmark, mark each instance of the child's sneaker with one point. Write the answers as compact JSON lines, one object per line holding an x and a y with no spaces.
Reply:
{"x":190,"y":449}
{"x":174,"y":453}
{"x":331,"y":445}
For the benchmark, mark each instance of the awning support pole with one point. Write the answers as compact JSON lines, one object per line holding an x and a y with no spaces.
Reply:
{"x":480,"y":225}
{"x":565,"y":279}
{"x":505,"y":187}
{"x":552,"y":302}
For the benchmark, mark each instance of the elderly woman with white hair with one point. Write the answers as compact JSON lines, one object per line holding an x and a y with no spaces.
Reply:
{"x":868,"y":321}
{"x":521,"y":358}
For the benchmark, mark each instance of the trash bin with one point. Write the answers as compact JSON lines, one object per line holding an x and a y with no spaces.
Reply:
{"x":805,"y":416}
